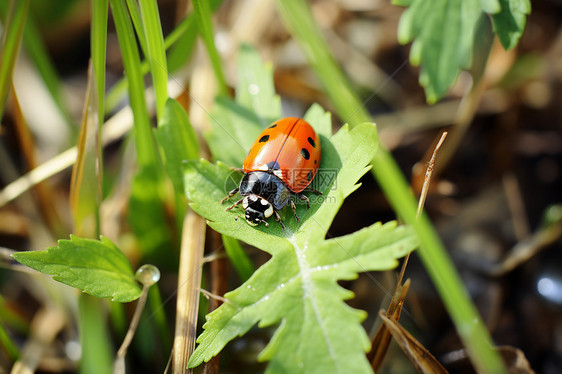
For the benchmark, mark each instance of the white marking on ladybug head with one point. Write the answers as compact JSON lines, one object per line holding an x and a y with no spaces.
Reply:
{"x":268,"y":212}
{"x":245,"y":202}
{"x":253,"y":198}
{"x":264,"y":202}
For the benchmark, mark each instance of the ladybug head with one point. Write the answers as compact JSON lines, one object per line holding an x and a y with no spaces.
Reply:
{"x":257,"y":209}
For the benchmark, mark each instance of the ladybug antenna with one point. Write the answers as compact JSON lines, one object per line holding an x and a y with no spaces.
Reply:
{"x":238,"y":216}
{"x":265,"y":223}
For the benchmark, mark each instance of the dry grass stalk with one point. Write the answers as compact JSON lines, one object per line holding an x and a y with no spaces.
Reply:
{"x":45,"y":326}
{"x":189,"y":284}
{"x":423,"y":361}
{"x":382,"y":338}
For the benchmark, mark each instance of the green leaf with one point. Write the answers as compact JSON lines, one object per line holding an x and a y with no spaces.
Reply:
{"x":443,"y":35}
{"x":476,"y":339}
{"x":510,"y":22}
{"x":98,"y":268}
{"x":238,"y":257}
{"x":234,"y":129}
{"x":298,"y":288}
{"x":236,"y":124}
{"x":322,"y":120}
{"x":146,"y":213}
{"x":490,"y":6}
{"x":177,"y":140}
{"x":402,"y":2}
{"x":255,"y":89}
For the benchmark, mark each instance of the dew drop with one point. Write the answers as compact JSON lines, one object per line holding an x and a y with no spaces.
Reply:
{"x":73,"y":350}
{"x":550,"y":287}
{"x":147,"y":275}
{"x":253,"y":89}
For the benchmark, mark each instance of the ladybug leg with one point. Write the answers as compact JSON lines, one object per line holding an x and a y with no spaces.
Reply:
{"x":278,"y":219}
{"x":314,"y":190}
{"x":294,"y":208}
{"x":235,"y":204}
{"x":304,"y":198}
{"x":236,"y":169}
{"x":230,"y":194}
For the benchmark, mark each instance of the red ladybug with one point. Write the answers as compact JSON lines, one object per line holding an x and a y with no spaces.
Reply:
{"x":282,"y":162}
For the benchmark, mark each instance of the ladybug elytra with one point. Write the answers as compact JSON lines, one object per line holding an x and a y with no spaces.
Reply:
{"x":282,"y":162}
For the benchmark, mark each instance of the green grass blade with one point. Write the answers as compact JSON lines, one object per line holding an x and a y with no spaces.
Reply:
{"x":98,"y":50}
{"x":86,"y":194}
{"x":202,"y":12}
{"x":146,"y":211}
{"x":10,"y":348}
{"x":187,"y":28}
{"x":94,"y":337}
{"x":467,"y":321}
{"x":180,"y":44}
{"x":156,"y":52}
{"x":146,"y":151}
{"x":85,"y":187}
{"x":158,"y":314}
{"x":298,"y":18}
{"x":35,"y":48}
{"x":238,"y":257}
{"x":439,"y":265}
{"x":135,"y":14}
{"x":11,"y":41}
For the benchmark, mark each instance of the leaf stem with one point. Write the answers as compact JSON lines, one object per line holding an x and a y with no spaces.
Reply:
{"x":119,"y":364}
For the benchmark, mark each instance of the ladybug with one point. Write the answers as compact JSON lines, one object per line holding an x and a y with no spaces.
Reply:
{"x":282,"y":162}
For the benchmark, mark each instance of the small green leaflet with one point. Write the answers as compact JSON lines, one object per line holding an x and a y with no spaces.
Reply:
{"x":237,"y":123}
{"x":297,"y":289}
{"x":177,"y":140}
{"x":443,"y":33}
{"x":98,"y":268}
{"x":510,"y":22}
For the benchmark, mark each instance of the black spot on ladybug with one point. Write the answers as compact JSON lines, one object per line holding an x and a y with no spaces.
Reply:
{"x":315,"y":162}
{"x":305,"y":153}
{"x":272,"y":126}
{"x":264,"y":138}
{"x":311,"y":141}
{"x":309,"y":175}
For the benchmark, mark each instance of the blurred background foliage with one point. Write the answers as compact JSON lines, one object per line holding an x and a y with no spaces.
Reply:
{"x":493,"y":199}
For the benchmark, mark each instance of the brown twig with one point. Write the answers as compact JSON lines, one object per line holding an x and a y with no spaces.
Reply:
{"x":429,"y":172}
{"x":219,"y":276}
{"x":45,"y":326}
{"x":189,"y":284}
